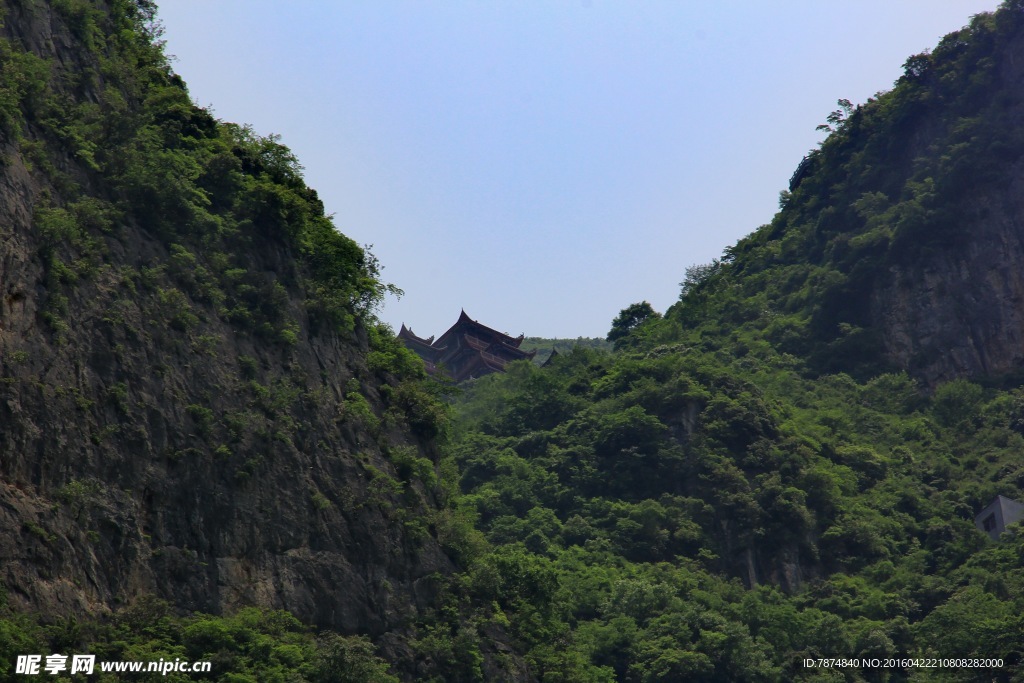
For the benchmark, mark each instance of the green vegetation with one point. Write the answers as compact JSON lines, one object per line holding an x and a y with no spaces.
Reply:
{"x":892,"y":185}
{"x":174,"y":240}
{"x":675,"y":513}
{"x":629,"y":320}
{"x":745,"y":482}
{"x":733,"y":487}
{"x":251,"y":645}
{"x":206,"y":188}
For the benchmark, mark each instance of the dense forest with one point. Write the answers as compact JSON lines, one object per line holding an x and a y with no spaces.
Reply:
{"x":783,"y":467}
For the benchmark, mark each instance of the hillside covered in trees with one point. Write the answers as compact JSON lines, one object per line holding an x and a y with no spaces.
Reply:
{"x":211,"y":449}
{"x":788,"y":462}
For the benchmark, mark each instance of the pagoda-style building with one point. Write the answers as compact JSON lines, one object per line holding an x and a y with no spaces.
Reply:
{"x":467,"y":350}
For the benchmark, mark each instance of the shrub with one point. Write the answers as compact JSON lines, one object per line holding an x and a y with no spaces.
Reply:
{"x":956,"y":401}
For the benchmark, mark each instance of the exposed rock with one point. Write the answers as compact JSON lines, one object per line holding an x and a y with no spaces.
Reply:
{"x":151,"y":446}
{"x":960,"y":312}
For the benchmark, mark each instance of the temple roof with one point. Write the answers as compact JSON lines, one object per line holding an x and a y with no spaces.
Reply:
{"x":467,"y":349}
{"x":482,"y":331}
{"x":406,"y":333}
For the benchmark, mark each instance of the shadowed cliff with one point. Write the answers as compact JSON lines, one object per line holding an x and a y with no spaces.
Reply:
{"x":196,"y":401}
{"x":899,"y":242}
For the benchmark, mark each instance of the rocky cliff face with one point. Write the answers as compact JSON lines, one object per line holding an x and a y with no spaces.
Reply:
{"x":901,"y":239}
{"x":960,"y":312}
{"x":178,"y":415}
{"x":958,"y":309}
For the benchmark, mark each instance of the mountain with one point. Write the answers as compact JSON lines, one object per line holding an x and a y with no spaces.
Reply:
{"x":197,"y":403}
{"x":786,"y":467}
{"x":210,"y":448}
{"x":899,"y":244}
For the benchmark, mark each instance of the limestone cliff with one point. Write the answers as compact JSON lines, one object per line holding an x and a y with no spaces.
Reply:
{"x":960,"y":312}
{"x":957,"y":308}
{"x":194,"y":400}
{"x":902,"y":236}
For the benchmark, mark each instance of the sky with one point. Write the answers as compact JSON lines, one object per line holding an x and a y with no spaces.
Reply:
{"x":544,"y":164}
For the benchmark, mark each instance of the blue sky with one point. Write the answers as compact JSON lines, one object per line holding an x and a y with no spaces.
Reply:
{"x":545,"y":164}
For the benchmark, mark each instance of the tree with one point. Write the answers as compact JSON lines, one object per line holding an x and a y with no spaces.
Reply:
{"x":916,"y":66}
{"x":838,"y":117}
{"x":699,"y":273}
{"x":349,"y":659}
{"x":630,"y":319}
